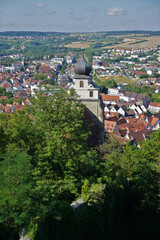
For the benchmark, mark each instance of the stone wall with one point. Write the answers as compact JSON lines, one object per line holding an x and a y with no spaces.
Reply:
{"x":95,"y":109}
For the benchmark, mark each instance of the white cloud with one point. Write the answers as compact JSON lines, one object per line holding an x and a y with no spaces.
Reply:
{"x":40,"y":5}
{"x":114,"y":11}
{"x":50,"y":12}
{"x":78,"y":17}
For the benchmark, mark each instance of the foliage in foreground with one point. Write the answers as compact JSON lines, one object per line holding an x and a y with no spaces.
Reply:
{"x":44,"y":158}
{"x":46,"y":163}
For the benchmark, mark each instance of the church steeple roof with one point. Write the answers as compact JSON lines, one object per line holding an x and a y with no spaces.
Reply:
{"x":82,"y":67}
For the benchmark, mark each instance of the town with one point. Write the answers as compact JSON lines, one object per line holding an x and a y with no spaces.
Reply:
{"x":79,"y":120}
{"x":131,"y":116}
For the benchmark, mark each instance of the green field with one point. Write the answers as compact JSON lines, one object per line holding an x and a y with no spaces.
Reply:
{"x":117,"y":79}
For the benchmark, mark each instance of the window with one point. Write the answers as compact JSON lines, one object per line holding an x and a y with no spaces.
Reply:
{"x":91,"y":93}
{"x":81,"y":84}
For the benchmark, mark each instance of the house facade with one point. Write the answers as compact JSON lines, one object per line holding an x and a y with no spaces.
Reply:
{"x":154,"y":107}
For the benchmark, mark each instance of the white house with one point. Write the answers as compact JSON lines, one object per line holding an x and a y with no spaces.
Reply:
{"x":57,"y":60}
{"x":157,"y":89}
{"x":107,"y":107}
{"x":149,"y":72}
{"x":143,"y":108}
{"x":121,"y":111}
{"x":114,"y":108}
{"x":123,"y":98}
{"x":139,"y":110}
{"x":113,"y":91}
{"x":133,"y":107}
{"x":34,"y":88}
{"x":154,"y":107}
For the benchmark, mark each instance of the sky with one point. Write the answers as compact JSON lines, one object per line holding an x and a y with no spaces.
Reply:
{"x":79,"y":16}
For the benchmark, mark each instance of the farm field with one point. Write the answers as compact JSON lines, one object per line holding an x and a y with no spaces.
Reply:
{"x":125,"y":41}
{"x":118,"y":79}
{"x":81,"y":45}
{"x":138,"y":42}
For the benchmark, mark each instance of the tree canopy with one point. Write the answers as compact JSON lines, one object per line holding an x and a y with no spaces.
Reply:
{"x":46,"y":163}
{"x":45,"y":157}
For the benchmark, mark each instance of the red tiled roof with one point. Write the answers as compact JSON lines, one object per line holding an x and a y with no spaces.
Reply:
{"x":138,"y":73}
{"x":6,"y":85}
{"x":4,"y":97}
{"x":20,"y":107}
{"x":124,"y":126}
{"x":142,"y":116}
{"x":110,"y":98}
{"x":44,"y":69}
{"x":113,"y":118}
{"x":7,"y":109}
{"x":26,"y":101}
{"x":139,"y":136}
{"x":133,"y":121}
{"x":111,"y":114}
{"x":16,"y":103}
{"x":154,"y":104}
{"x":138,"y":127}
{"x":151,"y":65}
{"x":154,"y":120}
{"x":121,"y":121}
{"x":110,"y":126}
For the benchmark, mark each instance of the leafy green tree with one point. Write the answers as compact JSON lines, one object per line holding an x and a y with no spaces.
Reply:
{"x":40,"y":76}
{"x":21,"y":69}
{"x":64,"y":66}
{"x":111,"y":83}
{"x":134,"y":170}
{"x":37,"y":67}
{"x":46,"y":163}
{"x":47,"y":146}
{"x":15,"y":201}
{"x":9,"y":95}
{"x":2,"y":91}
{"x":144,"y":76}
{"x":155,"y":97}
{"x":7,"y":78}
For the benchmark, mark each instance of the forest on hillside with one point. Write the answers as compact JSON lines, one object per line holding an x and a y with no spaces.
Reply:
{"x":46,"y":163}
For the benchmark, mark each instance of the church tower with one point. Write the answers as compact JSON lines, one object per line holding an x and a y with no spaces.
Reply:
{"x":89,"y":94}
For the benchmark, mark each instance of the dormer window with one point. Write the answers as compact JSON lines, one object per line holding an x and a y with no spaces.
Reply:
{"x":81,"y":84}
{"x":91,"y":93}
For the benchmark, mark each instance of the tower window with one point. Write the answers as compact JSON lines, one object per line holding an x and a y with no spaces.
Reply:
{"x":91,"y":93}
{"x":81,"y":84}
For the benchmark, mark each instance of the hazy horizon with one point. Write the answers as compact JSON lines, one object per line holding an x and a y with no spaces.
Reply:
{"x":127,"y":31}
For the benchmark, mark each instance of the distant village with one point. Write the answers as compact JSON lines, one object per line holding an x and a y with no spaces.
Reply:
{"x":129,"y":116}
